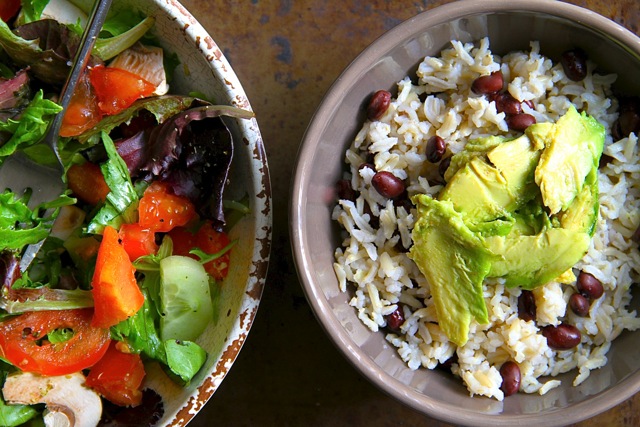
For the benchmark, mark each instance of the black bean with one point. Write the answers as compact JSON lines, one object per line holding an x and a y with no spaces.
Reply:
{"x":519,"y":122}
{"x":404,"y":202}
{"x":436,"y":147}
{"x":387,"y":184}
{"x":378,"y":104}
{"x":562,"y":337}
{"x":628,"y":121}
{"x":444,"y":165}
{"x":395,"y":320}
{"x":527,"y":306}
{"x":579,"y":304}
{"x":345,"y":191}
{"x":374,"y":221}
{"x":511,"y":377}
{"x":629,"y":103}
{"x":589,"y":286}
{"x":488,"y":84}
{"x":447,"y":364}
{"x":574,"y":63}
{"x":505,"y":103}
{"x":604,"y":160}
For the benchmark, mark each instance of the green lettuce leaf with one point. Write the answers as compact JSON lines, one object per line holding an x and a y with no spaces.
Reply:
{"x":122,"y":200}
{"x":19,"y":225}
{"x":32,"y":9}
{"x":32,"y":126}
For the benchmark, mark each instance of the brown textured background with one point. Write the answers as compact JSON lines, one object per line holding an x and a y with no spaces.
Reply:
{"x":286,"y":54}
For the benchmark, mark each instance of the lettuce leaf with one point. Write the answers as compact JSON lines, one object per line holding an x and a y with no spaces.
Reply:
{"x":32,"y":9}
{"x":31,"y":127}
{"x":45,"y":46}
{"x":19,"y":225}
{"x":122,"y":200}
{"x":107,"y":48}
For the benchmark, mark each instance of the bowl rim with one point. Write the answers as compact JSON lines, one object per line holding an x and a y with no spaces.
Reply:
{"x":594,"y":405}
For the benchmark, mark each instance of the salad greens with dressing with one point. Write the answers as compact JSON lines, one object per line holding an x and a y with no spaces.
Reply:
{"x":135,"y":248}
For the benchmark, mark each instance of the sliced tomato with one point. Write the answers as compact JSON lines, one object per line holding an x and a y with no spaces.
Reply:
{"x":208,"y":240}
{"x":24,"y":343}
{"x":9,"y":9}
{"x":161,"y":210}
{"x":117,"y":89}
{"x":87,"y":183}
{"x":137,"y":240}
{"x":116,"y":294}
{"x":118,"y":377}
{"x":82,"y":113}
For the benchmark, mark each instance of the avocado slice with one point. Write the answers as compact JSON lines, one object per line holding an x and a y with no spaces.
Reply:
{"x":537,"y":133}
{"x":530,"y":261}
{"x":583,"y":213}
{"x":478,"y":147}
{"x":455,"y":262}
{"x":517,"y":160}
{"x":479,"y":191}
{"x":572,"y":149}
{"x":496,"y":180}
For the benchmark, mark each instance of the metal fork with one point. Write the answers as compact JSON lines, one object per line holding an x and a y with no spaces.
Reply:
{"x":20,"y":173}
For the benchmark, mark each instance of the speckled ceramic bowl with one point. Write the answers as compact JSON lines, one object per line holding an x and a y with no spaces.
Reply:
{"x":510,"y":25}
{"x":203,"y":68}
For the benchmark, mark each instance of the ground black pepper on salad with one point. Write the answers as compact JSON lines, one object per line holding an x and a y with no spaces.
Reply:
{"x":135,"y":247}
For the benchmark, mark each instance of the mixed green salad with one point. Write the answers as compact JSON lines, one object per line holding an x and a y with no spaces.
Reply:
{"x":135,"y":247}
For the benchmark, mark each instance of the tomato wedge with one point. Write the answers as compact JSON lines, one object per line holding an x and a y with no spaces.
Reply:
{"x":137,"y":240}
{"x":82,"y":113}
{"x":208,"y":240}
{"x":118,"y":377}
{"x":24,"y":343}
{"x":117,"y":89}
{"x":87,"y":183}
{"x":161,"y":210}
{"x":116,"y":294}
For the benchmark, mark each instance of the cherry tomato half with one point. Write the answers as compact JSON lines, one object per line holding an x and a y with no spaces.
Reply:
{"x":82,"y":113}
{"x":137,"y":240}
{"x":118,"y":377}
{"x":87,"y":183}
{"x":208,"y":240}
{"x":117,"y":89}
{"x":24,"y":342}
{"x":161,"y":210}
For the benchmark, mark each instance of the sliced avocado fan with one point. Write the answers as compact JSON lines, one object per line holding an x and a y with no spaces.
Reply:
{"x":521,"y":209}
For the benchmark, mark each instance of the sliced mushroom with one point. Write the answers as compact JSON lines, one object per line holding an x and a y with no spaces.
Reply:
{"x":69,"y":402}
{"x":146,"y":62}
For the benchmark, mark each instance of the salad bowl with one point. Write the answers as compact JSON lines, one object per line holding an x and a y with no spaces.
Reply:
{"x":201,"y":68}
{"x":509,"y":25}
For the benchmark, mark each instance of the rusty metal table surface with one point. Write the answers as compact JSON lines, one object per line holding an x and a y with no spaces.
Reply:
{"x":286,"y":54}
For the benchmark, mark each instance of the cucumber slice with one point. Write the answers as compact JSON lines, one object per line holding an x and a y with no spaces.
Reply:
{"x":185,"y":299}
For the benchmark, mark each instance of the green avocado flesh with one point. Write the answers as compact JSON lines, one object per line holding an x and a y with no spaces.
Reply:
{"x":520,"y":209}
{"x":457,"y":262}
